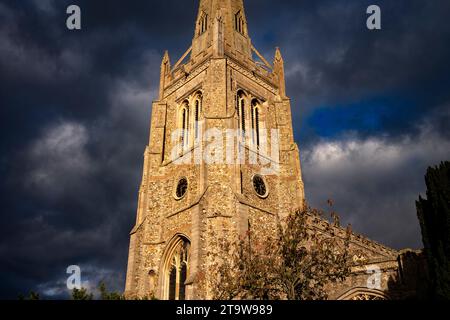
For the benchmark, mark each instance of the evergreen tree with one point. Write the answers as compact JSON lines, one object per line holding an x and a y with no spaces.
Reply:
{"x":105,"y":295}
{"x":434,"y":218}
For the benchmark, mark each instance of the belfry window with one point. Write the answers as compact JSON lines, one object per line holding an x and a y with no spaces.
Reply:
{"x":255,"y":123}
{"x":239,"y":22}
{"x":203,"y":24}
{"x":198,"y":108}
{"x":241,"y":112}
{"x":184,"y":124}
{"x":177,"y":270}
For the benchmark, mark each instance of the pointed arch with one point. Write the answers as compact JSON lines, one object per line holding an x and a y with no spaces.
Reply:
{"x":256,"y":118}
{"x":175,"y":268}
{"x":203,"y":23}
{"x":198,"y":104}
{"x":241,"y":99}
{"x":184,"y":124}
{"x":239,"y":22}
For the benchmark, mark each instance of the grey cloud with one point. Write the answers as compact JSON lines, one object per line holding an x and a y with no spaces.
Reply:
{"x":331,"y":58}
{"x":374,"y":182}
{"x":59,"y":157}
{"x":85,"y":182}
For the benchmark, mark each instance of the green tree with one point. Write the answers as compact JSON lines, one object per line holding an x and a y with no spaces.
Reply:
{"x":434,"y":218}
{"x":106,"y":295}
{"x":81,"y":294}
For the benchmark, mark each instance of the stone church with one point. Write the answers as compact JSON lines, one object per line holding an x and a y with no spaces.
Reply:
{"x":191,"y":191}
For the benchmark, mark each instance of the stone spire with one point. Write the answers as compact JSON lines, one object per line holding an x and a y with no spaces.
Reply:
{"x":221,"y":29}
{"x":165,"y":73}
{"x":278,"y":70}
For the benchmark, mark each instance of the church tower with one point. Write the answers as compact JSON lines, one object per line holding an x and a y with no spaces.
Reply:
{"x":221,"y":157}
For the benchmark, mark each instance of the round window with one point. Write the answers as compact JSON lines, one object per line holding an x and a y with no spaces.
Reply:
{"x":260,"y":186}
{"x":181,"y":188}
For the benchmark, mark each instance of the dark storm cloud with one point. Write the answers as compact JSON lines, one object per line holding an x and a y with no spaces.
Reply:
{"x":75,"y":110}
{"x":353,"y":89}
{"x":332,"y":59}
{"x":74,"y":107}
{"x":375,"y":181}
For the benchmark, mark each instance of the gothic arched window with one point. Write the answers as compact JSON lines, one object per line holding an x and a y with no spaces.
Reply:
{"x":178,"y":270}
{"x":203,"y":23}
{"x":255,"y":122}
{"x":183,"y":278}
{"x":184,"y":124}
{"x":239,"y":22}
{"x":173,"y":282}
{"x":241,"y":112}
{"x":198,"y":108}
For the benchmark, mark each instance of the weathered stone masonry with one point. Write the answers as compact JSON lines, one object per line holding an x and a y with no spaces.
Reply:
{"x":222,"y":82}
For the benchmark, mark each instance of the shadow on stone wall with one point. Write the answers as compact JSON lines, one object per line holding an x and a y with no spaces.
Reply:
{"x":411,"y":281}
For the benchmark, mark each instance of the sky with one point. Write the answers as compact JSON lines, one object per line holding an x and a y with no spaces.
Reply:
{"x":371,"y":111}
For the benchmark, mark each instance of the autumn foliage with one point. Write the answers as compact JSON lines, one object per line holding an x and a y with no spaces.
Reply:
{"x":295,"y":264}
